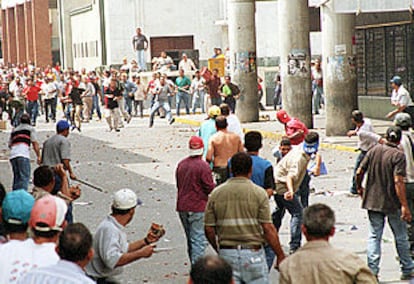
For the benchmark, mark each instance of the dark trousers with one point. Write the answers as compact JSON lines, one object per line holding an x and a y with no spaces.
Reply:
{"x":409,"y":191}
{"x":50,"y":108}
{"x":139,"y":104}
{"x":359,"y":159}
{"x":231,"y":103}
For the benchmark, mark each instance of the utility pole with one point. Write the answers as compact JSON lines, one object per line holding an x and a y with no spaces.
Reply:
{"x":242,"y":41}
{"x":295,"y":59}
{"x":340,"y":83}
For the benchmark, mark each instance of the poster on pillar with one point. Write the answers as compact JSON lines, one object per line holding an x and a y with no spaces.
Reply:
{"x":245,"y":61}
{"x":297,"y":65}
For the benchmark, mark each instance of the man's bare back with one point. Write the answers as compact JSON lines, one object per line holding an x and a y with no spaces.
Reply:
{"x":222,"y":146}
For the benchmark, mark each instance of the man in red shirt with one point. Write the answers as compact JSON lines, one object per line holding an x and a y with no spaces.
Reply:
{"x":295,"y":129}
{"x":31,"y":93}
{"x":194,"y":183}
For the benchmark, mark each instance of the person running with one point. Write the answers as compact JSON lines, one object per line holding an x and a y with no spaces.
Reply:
{"x":162,"y":93}
{"x":295,"y":129}
{"x":112,"y":96}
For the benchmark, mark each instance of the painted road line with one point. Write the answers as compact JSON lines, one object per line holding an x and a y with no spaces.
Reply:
{"x":274,"y":135}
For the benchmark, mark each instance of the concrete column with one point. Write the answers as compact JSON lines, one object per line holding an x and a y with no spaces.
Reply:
{"x":41,"y":33}
{"x":12,"y":40}
{"x":242,"y":43}
{"x":5,"y":42}
{"x":20,"y":34}
{"x":340,"y":84}
{"x":29,"y":31}
{"x":295,"y":59}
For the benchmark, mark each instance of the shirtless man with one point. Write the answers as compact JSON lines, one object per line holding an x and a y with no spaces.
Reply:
{"x":221,"y":147}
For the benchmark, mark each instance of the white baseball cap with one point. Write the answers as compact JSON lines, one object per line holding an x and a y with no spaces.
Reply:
{"x":124,"y":199}
{"x":48,"y":214}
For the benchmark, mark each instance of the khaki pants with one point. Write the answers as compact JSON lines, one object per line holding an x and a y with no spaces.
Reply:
{"x":87,"y":107}
{"x":112,"y":118}
{"x":77,"y":115}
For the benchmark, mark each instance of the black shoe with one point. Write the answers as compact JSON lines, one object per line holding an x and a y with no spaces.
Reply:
{"x":117,"y":130}
{"x":172,"y":120}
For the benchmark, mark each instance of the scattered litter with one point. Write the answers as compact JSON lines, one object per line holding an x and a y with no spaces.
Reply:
{"x":353,"y":228}
{"x":83,"y":203}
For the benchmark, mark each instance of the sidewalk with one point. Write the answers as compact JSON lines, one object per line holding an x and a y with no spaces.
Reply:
{"x":274,"y":130}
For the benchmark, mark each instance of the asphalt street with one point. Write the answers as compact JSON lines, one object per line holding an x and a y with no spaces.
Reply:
{"x":144,"y":160}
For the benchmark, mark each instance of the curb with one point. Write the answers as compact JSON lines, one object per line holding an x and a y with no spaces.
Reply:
{"x":273,"y":135}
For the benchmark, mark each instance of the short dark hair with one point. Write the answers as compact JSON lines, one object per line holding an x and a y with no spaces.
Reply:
{"x":318,"y":219}
{"x":221,"y":122}
{"x":74,"y":242}
{"x":227,"y":77}
{"x":25,"y":119}
{"x":253,"y":141}
{"x":42,"y":176}
{"x":241,"y":164}
{"x":358,"y":116}
{"x":116,"y":211}
{"x":225,"y":109}
{"x":285,"y":142}
{"x":47,"y":234}
{"x":211,"y":269}
{"x":312,"y":137}
{"x":15,"y":228}
{"x":393,"y":134}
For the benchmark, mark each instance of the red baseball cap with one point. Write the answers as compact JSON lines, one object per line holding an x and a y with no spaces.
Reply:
{"x":196,"y":146}
{"x":48,"y":214}
{"x":282,"y":116}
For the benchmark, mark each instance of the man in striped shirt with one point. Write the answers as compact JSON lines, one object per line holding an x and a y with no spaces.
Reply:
{"x":21,"y":138}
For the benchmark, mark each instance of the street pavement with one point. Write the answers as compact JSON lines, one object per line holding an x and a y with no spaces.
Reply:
{"x":144,"y":159}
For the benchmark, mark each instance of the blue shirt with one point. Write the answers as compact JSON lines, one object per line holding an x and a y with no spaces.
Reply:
{"x":207,"y":129}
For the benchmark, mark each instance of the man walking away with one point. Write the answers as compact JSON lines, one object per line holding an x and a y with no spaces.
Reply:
{"x":339,"y":266}
{"x":238,"y":229}
{"x":21,"y":138}
{"x":194,"y":184}
{"x":384,"y":198}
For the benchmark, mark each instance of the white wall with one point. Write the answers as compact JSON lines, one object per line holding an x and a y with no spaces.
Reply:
{"x":86,"y":28}
{"x":267,"y":29}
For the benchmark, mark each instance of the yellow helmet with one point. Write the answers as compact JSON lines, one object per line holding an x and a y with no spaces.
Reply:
{"x":214,"y":111}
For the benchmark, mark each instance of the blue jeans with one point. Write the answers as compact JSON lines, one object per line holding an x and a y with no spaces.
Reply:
{"x":294,"y":207}
{"x":270,"y":256}
{"x":33,"y":110}
{"x":399,"y":230}
{"x":156,"y":107}
{"x":198,"y":100}
{"x":359,"y":159}
{"x":141,"y":60}
{"x":193,"y":223}
{"x":128,"y":104}
{"x":21,"y":172}
{"x":317,"y":98}
{"x":249,"y":266}
{"x":182,"y":96}
{"x":231,"y":101}
{"x":95,"y":106}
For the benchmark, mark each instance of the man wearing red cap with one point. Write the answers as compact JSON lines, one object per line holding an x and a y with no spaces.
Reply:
{"x":295,"y":129}
{"x":194,"y":184}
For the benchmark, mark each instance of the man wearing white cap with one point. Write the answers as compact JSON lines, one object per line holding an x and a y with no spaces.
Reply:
{"x":194,"y":184}
{"x":47,"y":220}
{"x":112,"y":250}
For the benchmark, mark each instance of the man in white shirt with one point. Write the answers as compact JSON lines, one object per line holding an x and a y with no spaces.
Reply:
{"x":400,"y":98}
{"x":75,"y":251}
{"x":50,"y":92}
{"x":403,"y":120}
{"x":232,"y":121}
{"x":367,"y":139}
{"x":186,"y":64}
{"x":46,"y":221}
{"x":198,"y":89}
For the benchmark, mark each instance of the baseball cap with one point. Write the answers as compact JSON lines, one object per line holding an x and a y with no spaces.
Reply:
{"x":214,"y":111}
{"x":124,"y":199}
{"x":396,"y":80}
{"x":196,"y":146}
{"x":403,"y":120}
{"x":282,"y":116}
{"x":17,"y":206}
{"x":48,"y":214}
{"x":62,"y":125}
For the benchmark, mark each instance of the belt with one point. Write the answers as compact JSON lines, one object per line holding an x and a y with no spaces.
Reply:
{"x":240,"y":247}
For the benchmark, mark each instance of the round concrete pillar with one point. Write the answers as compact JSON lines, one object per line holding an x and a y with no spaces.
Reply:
{"x":295,"y":59}
{"x":339,"y":70}
{"x":242,"y":41}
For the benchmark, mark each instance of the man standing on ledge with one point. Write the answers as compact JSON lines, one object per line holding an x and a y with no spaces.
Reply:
{"x":400,"y":98}
{"x":140,"y":45}
{"x":238,"y":224}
